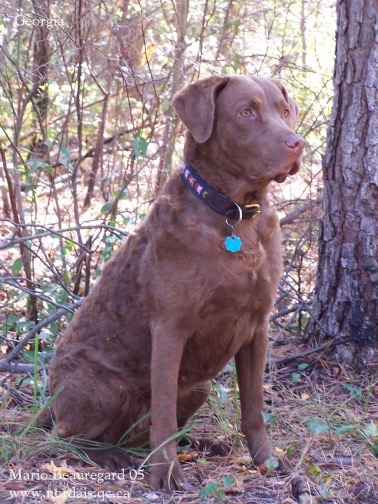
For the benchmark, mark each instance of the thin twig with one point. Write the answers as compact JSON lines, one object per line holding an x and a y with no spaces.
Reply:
{"x":17,"y":367}
{"x":25,"y":340}
{"x":16,"y":210}
{"x":59,"y":232}
{"x":286,"y":311}
{"x":291,"y":358}
{"x":292,"y":216}
{"x":14,"y":282}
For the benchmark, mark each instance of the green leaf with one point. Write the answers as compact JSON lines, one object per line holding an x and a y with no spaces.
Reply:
{"x":374,"y":449}
{"x":17,"y":266}
{"x":371,"y":430}
{"x":315,"y":472}
{"x":68,"y":165}
{"x":355,"y":391}
{"x":107,"y":207}
{"x":69,"y":245}
{"x":65,"y":152}
{"x":29,"y":355}
{"x":317,"y":426}
{"x":228,"y":481}
{"x":325,"y":492}
{"x":269,"y":418}
{"x":140,"y":147}
{"x":271,"y":464}
{"x":289,"y":452}
{"x":295,"y":377}
{"x":209,"y":489}
{"x":121,"y":195}
{"x":303,"y":366}
{"x":212,"y":488}
{"x":202,"y":460}
{"x":67,"y":277}
{"x":345,"y":429}
{"x":48,"y":168}
{"x":24,"y":325}
{"x":314,"y":469}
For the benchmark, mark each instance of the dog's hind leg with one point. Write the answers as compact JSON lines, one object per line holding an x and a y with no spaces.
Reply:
{"x":187,"y":405}
{"x":103,"y":416}
{"x":191,"y":401}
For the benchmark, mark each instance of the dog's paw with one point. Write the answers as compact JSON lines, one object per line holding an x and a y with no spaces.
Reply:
{"x":168,"y":476}
{"x":279,"y":465}
{"x":210,"y":446}
{"x":114,"y":459}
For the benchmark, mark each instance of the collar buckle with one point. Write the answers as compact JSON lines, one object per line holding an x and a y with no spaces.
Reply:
{"x":252,"y":210}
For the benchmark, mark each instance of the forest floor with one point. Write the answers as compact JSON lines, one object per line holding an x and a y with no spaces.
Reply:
{"x":322,"y":416}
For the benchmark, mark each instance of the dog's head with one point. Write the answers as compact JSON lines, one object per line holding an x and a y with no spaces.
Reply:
{"x":243,"y":123}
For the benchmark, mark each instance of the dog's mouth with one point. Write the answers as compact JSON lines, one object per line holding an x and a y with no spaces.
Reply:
{"x":284,"y":172}
{"x":281,"y":177}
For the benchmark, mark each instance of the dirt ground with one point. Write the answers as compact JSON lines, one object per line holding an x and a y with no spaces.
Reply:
{"x":322,"y":418}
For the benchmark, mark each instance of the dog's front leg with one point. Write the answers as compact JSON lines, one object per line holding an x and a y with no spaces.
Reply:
{"x":167,"y":349}
{"x":250,"y":366}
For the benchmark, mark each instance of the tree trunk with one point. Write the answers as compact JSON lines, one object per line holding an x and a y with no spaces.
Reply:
{"x":346,"y":292}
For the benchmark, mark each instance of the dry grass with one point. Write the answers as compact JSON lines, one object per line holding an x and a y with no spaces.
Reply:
{"x":329,"y":431}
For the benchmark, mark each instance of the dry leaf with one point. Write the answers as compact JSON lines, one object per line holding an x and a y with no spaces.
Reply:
{"x":58,"y":470}
{"x":263,"y":469}
{"x":61,"y":498}
{"x":187,"y":457}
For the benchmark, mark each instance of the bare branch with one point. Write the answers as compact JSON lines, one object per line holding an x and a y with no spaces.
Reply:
{"x":25,"y":340}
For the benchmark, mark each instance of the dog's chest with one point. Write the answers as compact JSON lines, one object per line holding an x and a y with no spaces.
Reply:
{"x":212,"y":347}
{"x":224,"y":322}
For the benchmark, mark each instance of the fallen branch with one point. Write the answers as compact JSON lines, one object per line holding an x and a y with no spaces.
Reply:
{"x":17,"y":367}
{"x":291,"y":358}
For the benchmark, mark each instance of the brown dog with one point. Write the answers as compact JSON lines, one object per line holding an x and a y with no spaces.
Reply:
{"x":191,"y":288}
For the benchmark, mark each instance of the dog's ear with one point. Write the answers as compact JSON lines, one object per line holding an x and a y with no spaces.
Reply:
{"x":294,"y":112}
{"x":195,"y":105}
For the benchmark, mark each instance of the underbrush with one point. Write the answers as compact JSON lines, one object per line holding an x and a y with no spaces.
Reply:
{"x":324,"y":421}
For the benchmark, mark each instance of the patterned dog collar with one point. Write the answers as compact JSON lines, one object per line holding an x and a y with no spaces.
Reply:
{"x":216,"y":201}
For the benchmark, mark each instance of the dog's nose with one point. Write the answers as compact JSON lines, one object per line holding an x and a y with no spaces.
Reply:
{"x":295,"y":142}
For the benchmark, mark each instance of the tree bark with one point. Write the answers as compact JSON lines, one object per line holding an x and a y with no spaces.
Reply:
{"x":346,"y":292}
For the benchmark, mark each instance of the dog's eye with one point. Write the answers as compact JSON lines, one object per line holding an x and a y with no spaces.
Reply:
{"x":286,"y":113}
{"x":246,"y":112}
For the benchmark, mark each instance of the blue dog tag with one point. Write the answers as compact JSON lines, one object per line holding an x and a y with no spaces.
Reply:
{"x":233,"y":243}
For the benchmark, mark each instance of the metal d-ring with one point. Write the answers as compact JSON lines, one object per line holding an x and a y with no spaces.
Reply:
{"x":233,"y":226}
